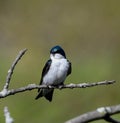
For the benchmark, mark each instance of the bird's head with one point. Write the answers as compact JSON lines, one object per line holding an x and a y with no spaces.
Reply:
{"x":57,"y":52}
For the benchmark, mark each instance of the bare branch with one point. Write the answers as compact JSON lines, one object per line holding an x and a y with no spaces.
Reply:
{"x":8,"y":118}
{"x":5,"y":92}
{"x":85,"y":85}
{"x":100,"y":113}
{"x":10,"y":71}
{"x":71,"y":86}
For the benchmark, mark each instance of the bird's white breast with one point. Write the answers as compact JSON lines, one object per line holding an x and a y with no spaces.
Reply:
{"x":57,"y":72}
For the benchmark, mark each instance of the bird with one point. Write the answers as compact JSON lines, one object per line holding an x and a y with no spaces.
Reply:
{"x":54,"y":73}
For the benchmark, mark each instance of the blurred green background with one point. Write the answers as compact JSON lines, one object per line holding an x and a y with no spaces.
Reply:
{"x":89,"y":32}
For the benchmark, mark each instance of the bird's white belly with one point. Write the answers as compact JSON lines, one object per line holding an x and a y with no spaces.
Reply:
{"x":57,"y":72}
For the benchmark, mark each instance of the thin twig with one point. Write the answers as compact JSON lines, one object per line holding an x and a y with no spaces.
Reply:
{"x":10,"y":71}
{"x":8,"y":118}
{"x":98,"y":114}
{"x":85,"y":85}
{"x":71,"y":86}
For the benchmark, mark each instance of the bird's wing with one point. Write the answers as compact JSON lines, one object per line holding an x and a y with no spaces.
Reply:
{"x":45,"y":69}
{"x":69,"y":69}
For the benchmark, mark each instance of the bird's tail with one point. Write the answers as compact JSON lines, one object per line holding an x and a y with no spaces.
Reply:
{"x":47,"y":93}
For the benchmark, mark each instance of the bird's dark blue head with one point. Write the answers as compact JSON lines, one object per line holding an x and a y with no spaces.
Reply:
{"x":57,"y":49}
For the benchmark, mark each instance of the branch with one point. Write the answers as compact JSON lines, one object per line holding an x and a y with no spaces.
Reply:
{"x":100,"y":113}
{"x":10,"y":71}
{"x":5,"y":92}
{"x":71,"y":86}
{"x":8,"y":118}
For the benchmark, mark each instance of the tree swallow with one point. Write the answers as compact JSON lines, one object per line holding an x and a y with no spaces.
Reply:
{"x":55,"y":71}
